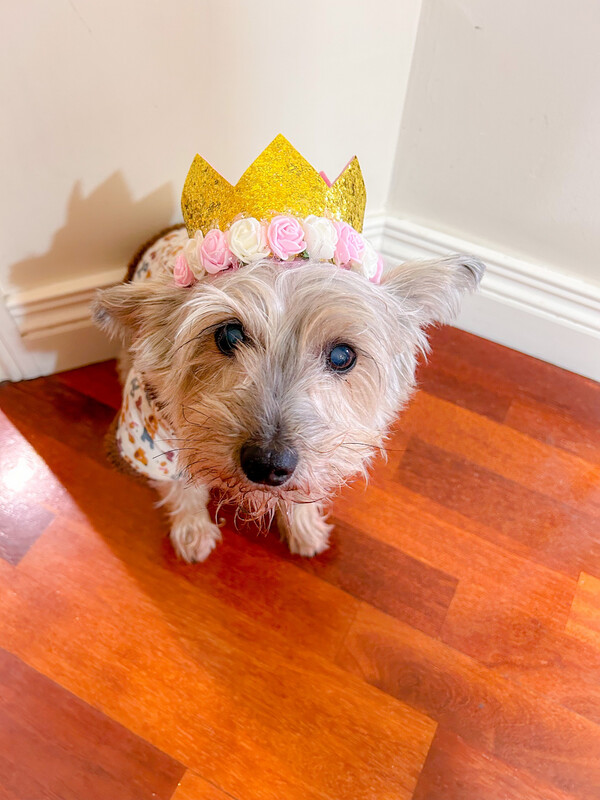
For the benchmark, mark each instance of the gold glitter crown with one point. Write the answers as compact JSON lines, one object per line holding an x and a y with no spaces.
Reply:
{"x":280,"y":181}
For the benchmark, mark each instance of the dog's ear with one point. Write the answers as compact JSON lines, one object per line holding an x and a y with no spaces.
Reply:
{"x":128,"y":309}
{"x":433,"y":289}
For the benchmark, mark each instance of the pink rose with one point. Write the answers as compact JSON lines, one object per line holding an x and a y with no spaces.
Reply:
{"x":215,"y":255}
{"x":349,"y":247}
{"x":285,"y":237}
{"x":182,"y":273}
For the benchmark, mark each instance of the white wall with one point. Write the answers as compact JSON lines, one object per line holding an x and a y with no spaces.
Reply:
{"x":108,"y":101}
{"x":500,"y":137}
{"x":493,"y":128}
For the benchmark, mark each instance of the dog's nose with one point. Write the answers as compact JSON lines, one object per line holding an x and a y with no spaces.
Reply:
{"x":268,"y":464}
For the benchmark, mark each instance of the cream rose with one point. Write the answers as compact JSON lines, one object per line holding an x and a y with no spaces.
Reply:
{"x":192,"y":250}
{"x":321,"y":237}
{"x":247,"y":240}
{"x":369,"y":261}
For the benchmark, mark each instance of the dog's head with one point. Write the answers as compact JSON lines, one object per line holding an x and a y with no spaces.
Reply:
{"x":282,"y":382}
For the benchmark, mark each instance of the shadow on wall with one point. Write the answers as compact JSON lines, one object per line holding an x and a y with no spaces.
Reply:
{"x":101,"y":232}
{"x":48,"y":325}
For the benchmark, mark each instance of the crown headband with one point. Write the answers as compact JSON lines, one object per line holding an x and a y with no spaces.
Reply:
{"x":279,"y":181}
{"x":281,"y":208}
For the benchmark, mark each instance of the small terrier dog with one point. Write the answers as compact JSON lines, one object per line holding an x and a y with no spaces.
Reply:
{"x":277,"y":382}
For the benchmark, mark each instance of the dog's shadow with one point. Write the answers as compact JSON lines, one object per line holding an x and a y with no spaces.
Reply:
{"x":101,"y":230}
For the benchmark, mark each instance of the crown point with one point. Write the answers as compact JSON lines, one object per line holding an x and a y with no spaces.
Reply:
{"x":203,"y":193}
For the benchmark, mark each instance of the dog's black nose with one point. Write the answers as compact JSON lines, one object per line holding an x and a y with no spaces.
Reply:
{"x":268,"y":464}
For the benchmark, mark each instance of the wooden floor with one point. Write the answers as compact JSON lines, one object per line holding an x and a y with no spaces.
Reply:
{"x":446,"y":647}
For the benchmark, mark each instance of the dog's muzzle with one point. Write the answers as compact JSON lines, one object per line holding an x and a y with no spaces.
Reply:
{"x":268,"y":464}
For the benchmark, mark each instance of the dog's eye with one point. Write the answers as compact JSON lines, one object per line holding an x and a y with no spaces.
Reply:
{"x":228,"y":336}
{"x":341,"y":358}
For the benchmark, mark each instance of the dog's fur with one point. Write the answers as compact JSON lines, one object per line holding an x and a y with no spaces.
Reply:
{"x":277,"y":387}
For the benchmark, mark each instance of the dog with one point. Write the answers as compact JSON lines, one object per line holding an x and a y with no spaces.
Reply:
{"x":275,"y":384}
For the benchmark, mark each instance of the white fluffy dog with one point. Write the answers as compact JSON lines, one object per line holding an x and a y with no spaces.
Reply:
{"x":277,"y":384}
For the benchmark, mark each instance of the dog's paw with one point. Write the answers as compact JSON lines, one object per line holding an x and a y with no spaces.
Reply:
{"x":308,"y":532}
{"x":300,"y":547}
{"x":194,"y":540}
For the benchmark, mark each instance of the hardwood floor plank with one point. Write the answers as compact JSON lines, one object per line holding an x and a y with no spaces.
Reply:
{"x":249,"y":709}
{"x":516,"y":373}
{"x":21,"y":523}
{"x":505,"y":451}
{"x":242,"y":574}
{"x":24,"y":473}
{"x":23,"y":489}
{"x":47,"y":407}
{"x":555,"y":427}
{"x":458,"y":546}
{"x":193,"y":787}
{"x":525,"y":649}
{"x":98,"y":381}
{"x":385,"y":577}
{"x":584,"y":619}
{"x":458,"y":605}
{"x":379,"y":574}
{"x":456,"y":771}
{"x":511,"y":723}
{"x":452,"y":383}
{"x":252,"y":579}
{"x":53,"y":745}
{"x":553,"y":533}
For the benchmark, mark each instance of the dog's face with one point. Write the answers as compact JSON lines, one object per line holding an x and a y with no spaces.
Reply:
{"x":281,"y":382}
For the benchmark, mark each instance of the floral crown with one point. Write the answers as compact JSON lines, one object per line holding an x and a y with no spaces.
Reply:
{"x":280,"y":208}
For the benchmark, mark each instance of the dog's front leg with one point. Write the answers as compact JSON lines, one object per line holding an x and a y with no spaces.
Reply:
{"x":193,"y":534}
{"x":304,"y":527}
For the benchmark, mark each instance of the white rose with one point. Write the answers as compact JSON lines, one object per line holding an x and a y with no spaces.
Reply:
{"x":247,"y":240}
{"x":192,"y":250}
{"x":320,"y":236}
{"x":369,"y":261}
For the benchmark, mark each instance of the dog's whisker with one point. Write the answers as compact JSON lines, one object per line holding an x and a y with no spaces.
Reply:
{"x":172,"y":450}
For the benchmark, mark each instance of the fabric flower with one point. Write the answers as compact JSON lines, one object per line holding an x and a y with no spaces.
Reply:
{"x":247,"y":240}
{"x":285,"y":237}
{"x":215,"y":255}
{"x":379,"y":272}
{"x":369,"y":261}
{"x":192,"y":250}
{"x":182,"y":272}
{"x":350,"y":246}
{"x":321,"y":237}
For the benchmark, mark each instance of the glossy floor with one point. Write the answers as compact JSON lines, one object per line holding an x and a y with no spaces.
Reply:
{"x":446,"y":647}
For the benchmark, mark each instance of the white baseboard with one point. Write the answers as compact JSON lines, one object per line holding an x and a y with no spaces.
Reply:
{"x":54,"y":306}
{"x":48,"y":329}
{"x":522,"y":305}
{"x":529,"y":308}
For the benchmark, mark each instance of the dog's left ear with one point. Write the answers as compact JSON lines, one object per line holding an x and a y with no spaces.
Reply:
{"x":433,"y":289}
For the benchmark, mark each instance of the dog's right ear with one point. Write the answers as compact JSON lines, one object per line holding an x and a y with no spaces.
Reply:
{"x":128,"y":309}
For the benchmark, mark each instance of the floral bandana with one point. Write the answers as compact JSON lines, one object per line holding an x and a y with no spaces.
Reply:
{"x":142,"y":439}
